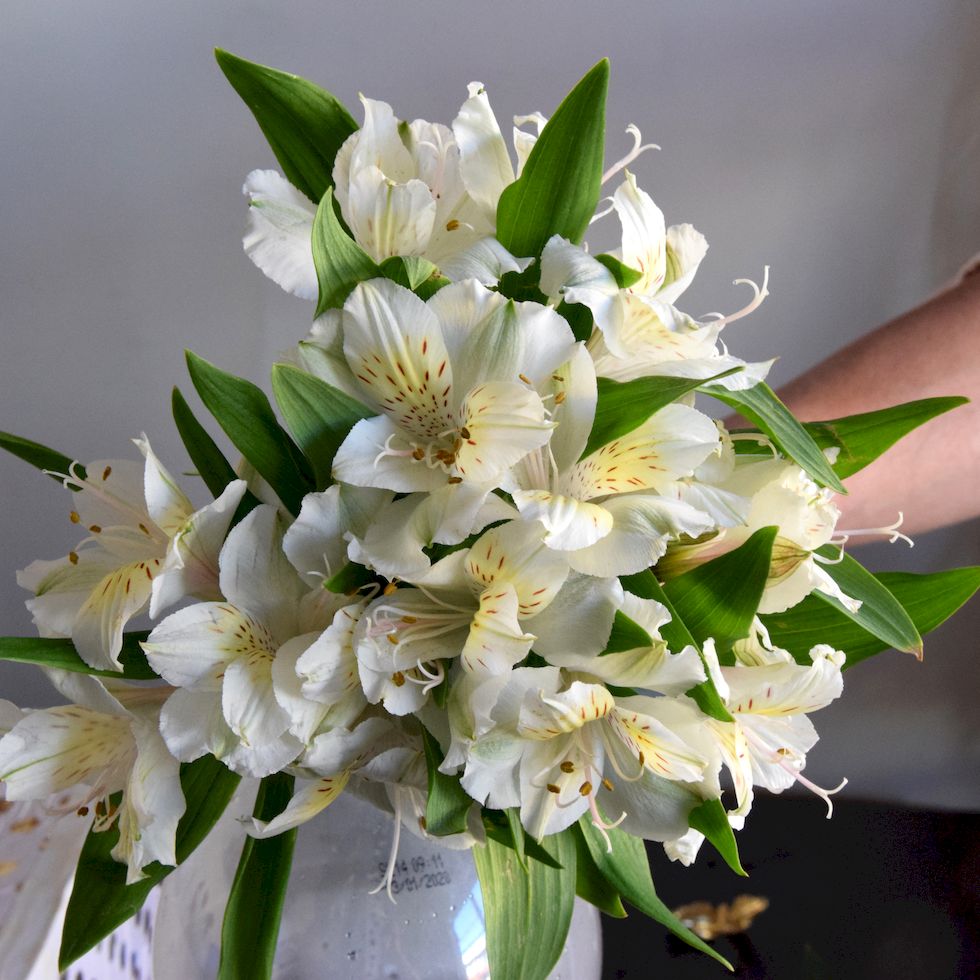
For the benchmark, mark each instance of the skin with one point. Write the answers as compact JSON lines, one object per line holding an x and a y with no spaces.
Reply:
{"x":933,"y":474}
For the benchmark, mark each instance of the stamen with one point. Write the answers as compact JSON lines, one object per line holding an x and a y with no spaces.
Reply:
{"x":760,"y":294}
{"x":601,"y":214}
{"x":892,"y":530}
{"x":393,"y":856}
{"x":633,"y":131}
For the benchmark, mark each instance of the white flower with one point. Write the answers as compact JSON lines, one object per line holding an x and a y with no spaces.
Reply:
{"x":147,"y":545}
{"x":221,"y":654}
{"x":766,"y":744}
{"x":404,"y":189}
{"x":599,"y":511}
{"x":545,"y":747}
{"x":446,"y":378}
{"x":108,"y":742}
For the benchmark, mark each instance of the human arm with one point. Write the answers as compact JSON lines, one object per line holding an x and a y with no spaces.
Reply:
{"x":933,"y":475}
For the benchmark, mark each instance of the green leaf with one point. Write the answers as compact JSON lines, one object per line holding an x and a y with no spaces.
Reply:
{"x":254,"y":909}
{"x":527,"y":912}
{"x":500,"y":826}
{"x":304,"y":124}
{"x":881,"y":614}
{"x":677,"y":636}
{"x":61,"y":654}
{"x":319,"y":416}
{"x":448,"y":803}
{"x":721,"y":597}
{"x":349,"y":579}
{"x":863,"y":438}
{"x":243,"y":411}
{"x":712,"y":821}
{"x":210,"y":462}
{"x":590,"y":883}
{"x":560,"y":184}
{"x":414,"y":273}
{"x":627,"y":869}
{"x":928,"y":599}
{"x":579,"y":318}
{"x":622,"y":273}
{"x":622,"y":406}
{"x":40,"y":456}
{"x":626,"y":635}
{"x":100,"y":899}
{"x":760,"y":406}
{"x":339,"y":261}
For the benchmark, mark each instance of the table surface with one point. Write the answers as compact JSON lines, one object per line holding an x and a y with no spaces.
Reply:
{"x":876,"y":892}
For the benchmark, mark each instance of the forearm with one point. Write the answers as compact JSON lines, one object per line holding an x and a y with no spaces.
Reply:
{"x":933,"y":475}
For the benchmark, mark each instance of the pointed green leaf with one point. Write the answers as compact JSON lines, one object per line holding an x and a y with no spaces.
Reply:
{"x":49,"y":460}
{"x":622,"y":406}
{"x":499,"y":826}
{"x":100,"y":898}
{"x":677,"y":636}
{"x":513,"y":815}
{"x":881,"y":614}
{"x":410,"y":271}
{"x":339,"y":261}
{"x":627,"y":869}
{"x":622,"y":273}
{"x":243,"y":411}
{"x":61,"y":654}
{"x":559,"y":187}
{"x":626,"y":635}
{"x":448,"y":803}
{"x":720,"y":598}
{"x":527,"y":912}
{"x":711,"y":820}
{"x":760,"y":406}
{"x":590,"y":883}
{"x":319,"y":416}
{"x":208,"y":459}
{"x":349,"y":579}
{"x":304,"y":124}
{"x":254,"y":909}
{"x":928,"y":599}
{"x":863,"y":438}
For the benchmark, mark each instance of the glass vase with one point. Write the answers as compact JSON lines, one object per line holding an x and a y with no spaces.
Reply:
{"x":333,"y":926}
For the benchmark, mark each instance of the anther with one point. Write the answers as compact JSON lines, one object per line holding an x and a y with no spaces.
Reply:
{"x":398,"y":678}
{"x":82,"y":811}
{"x":552,"y":788}
{"x":607,"y":784}
{"x":74,"y":517}
{"x":390,"y":589}
{"x":585,"y":789}
{"x":422,"y":823}
{"x":525,"y":378}
{"x":418,"y":453}
{"x":73,"y":557}
{"x":106,"y":472}
{"x":464,"y":432}
{"x":567,"y":766}
{"x":452,"y":225}
{"x":559,"y":397}
{"x":95,"y":529}
{"x":409,"y":620}
{"x":455,"y":479}
{"x":392,"y":638}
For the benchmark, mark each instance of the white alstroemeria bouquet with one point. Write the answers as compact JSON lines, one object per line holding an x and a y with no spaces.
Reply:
{"x":495,"y":539}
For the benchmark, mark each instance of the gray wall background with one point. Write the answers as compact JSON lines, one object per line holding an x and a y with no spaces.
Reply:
{"x":837,"y":140}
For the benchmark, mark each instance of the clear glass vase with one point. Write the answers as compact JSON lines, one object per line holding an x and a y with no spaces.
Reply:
{"x":333,"y":927}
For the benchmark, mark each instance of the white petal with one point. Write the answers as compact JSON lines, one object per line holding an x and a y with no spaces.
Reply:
{"x":249,"y":703}
{"x":574,"y":394}
{"x":153,"y":803}
{"x":485,"y":164}
{"x":56,"y":749}
{"x":642,"y":526}
{"x":165,"y":501}
{"x":496,"y":642}
{"x":566,"y":266}
{"x":486,"y":260}
{"x":322,"y":353}
{"x":305,"y":714}
{"x":193,"y":725}
{"x":388,"y":218}
{"x":378,"y":143}
{"x":655,"y":808}
{"x":256,"y":576}
{"x":570,"y":524}
{"x":191,"y":565}
{"x":686,"y":247}
{"x":310,"y":799}
{"x":327,"y":668}
{"x":278,"y":230}
{"x":644,"y":235}
{"x":194,"y":646}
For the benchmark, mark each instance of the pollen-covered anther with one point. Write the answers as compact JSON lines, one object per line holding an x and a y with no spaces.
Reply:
{"x":552,"y":788}
{"x":524,"y":378}
{"x":464,"y":432}
{"x":452,"y":225}
{"x":559,"y":397}
{"x":392,"y":638}
{"x":74,"y":517}
{"x":418,"y":453}
{"x":455,"y":479}
{"x":73,"y":557}
{"x":567,"y":766}
{"x":585,"y":789}
{"x":390,"y":589}
{"x":409,"y":620}
{"x":95,"y":529}
{"x":608,"y":784}
{"x":398,"y":678}
{"x":106,"y":472}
